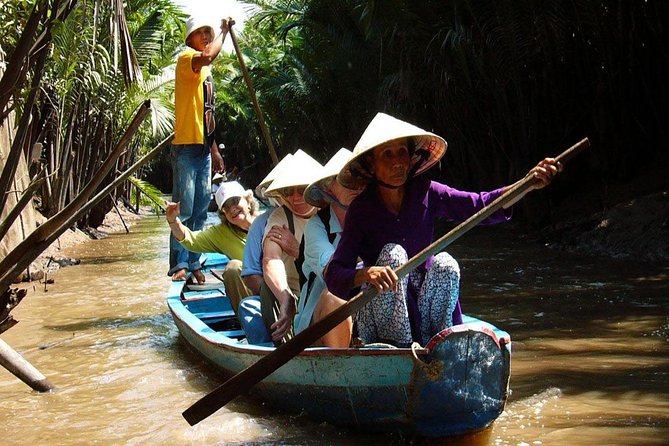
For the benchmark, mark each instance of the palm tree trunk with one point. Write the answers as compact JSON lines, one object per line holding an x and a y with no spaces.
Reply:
{"x":17,"y":65}
{"x":17,"y":145}
{"x":26,"y":251}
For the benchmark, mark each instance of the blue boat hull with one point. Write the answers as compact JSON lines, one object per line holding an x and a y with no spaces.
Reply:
{"x":458,"y":384}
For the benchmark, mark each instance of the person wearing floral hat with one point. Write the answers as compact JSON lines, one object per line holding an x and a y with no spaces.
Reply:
{"x":392,"y":220}
{"x":237,"y":209}
{"x":194,"y":152}
{"x":321,"y":236}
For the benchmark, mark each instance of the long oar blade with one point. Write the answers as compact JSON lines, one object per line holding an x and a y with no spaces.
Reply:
{"x":247,"y":378}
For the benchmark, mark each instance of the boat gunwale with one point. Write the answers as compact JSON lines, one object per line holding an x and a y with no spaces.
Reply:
{"x":202,"y":330}
{"x":199,"y":328}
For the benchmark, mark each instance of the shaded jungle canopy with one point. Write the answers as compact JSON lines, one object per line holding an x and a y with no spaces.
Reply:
{"x":506,"y":83}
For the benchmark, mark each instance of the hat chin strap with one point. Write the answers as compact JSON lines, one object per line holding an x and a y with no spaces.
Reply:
{"x":305,"y":214}
{"x":333,"y":200}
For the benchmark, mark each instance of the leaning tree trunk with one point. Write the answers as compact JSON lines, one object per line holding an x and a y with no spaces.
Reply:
{"x":26,"y":251}
{"x":25,"y":222}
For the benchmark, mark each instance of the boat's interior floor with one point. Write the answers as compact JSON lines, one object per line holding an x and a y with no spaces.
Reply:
{"x":209,"y":303}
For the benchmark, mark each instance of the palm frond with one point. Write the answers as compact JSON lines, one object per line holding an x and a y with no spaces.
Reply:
{"x":150,"y":195}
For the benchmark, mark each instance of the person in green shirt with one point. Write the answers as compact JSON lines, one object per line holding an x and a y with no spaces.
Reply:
{"x":237,"y":208}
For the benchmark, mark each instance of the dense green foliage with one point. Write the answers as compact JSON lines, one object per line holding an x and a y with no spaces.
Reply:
{"x":504,"y":82}
{"x":104,"y":60}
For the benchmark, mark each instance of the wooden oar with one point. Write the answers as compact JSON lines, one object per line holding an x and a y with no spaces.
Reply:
{"x":247,"y":378}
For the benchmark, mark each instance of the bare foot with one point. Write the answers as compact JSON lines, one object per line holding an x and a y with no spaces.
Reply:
{"x":199,"y":276}
{"x":179,"y":275}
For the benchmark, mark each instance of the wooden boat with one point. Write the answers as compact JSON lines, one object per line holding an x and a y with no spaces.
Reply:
{"x":457,"y":384}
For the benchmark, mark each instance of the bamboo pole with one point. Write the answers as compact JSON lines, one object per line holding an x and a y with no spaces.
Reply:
{"x":254,"y":99}
{"x":12,"y":161}
{"x":119,"y":215}
{"x":21,"y":204}
{"x":22,"y":369}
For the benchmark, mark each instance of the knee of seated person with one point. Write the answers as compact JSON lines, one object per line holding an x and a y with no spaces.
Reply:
{"x":234,"y":268}
{"x":250,"y":317}
{"x":392,"y":255}
{"x":250,"y":307}
{"x":331,"y":301}
{"x":445,"y":262}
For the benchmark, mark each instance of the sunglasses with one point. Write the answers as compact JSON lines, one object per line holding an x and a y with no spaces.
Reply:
{"x":230,"y":202}
{"x":289,"y":192}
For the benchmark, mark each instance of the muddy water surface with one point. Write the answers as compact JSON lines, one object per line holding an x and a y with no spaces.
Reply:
{"x":590,"y":361}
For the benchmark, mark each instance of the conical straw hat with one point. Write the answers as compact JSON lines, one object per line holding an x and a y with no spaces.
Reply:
{"x":300,"y":170}
{"x":264,"y":184}
{"x":314,"y":193}
{"x":429,"y":148}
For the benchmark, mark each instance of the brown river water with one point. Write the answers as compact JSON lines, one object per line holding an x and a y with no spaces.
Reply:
{"x":590,"y":362}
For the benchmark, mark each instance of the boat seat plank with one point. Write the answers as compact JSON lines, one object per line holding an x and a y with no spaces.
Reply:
{"x":233,"y":333}
{"x":198,"y":295}
{"x":205,"y":286}
{"x":215,"y":314}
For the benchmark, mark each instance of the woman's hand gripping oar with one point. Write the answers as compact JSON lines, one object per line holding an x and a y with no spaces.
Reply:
{"x":247,"y":378}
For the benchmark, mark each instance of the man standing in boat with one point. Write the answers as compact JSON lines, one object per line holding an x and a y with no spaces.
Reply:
{"x":194,"y":151}
{"x":392,"y":220}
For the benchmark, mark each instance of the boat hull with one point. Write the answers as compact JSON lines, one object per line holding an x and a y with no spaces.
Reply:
{"x":459,"y":385}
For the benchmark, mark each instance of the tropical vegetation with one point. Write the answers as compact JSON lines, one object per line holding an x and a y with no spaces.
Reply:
{"x":505,"y":82}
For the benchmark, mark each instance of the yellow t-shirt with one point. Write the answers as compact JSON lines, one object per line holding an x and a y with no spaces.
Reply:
{"x":193,"y":102}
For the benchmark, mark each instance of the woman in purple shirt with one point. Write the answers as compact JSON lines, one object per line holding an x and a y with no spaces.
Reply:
{"x":392,"y":220}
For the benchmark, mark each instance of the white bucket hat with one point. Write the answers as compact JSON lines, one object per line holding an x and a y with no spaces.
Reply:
{"x":315,"y":194}
{"x":264,"y":184}
{"x":196,"y":22}
{"x":300,"y":170}
{"x":229,"y":190}
{"x":429,"y":148}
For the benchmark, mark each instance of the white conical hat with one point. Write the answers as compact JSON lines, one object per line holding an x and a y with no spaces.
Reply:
{"x":300,"y":170}
{"x":313,"y":194}
{"x":264,"y":184}
{"x":429,"y":148}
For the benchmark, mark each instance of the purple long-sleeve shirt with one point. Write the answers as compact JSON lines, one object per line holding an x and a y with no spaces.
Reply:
{"x":369,"y":226}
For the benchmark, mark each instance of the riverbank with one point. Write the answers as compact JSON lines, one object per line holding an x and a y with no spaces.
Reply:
{"x":636,"y":229}
{"x":53,"y":259}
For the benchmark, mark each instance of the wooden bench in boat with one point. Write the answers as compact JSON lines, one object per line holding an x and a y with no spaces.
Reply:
{"x":236,"y":334}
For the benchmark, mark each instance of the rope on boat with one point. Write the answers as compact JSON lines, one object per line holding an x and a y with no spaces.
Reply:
{"x":432,"y":370}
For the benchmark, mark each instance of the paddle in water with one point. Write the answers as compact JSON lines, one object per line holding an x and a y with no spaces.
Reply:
{"x":247,"y":378}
